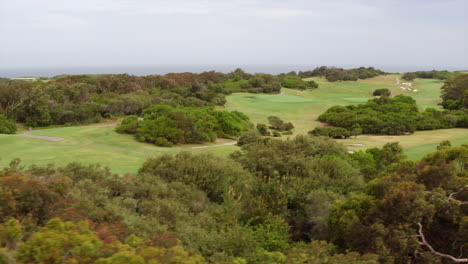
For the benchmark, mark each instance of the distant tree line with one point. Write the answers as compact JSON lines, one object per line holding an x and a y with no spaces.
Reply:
{"x":333,"y":74}
{"x":82,"y":99}
{"x":441,"y":75}
{"x":166,"y":125}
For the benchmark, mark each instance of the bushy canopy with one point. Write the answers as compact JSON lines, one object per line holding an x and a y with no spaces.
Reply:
{"x":165,"y":125}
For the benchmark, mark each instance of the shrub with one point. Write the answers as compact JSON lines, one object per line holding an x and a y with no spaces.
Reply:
{"x":248,"y":137}
{"x":7,"y":126}
{"x":263,"y":130}
{"x":382,"y":92}
{"x":165,"y":125}
{"x":277,"y":124}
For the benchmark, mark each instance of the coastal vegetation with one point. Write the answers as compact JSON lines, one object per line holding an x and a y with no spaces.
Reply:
{"x":273,"y":201}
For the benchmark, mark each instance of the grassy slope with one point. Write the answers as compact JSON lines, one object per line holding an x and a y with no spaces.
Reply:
{"x":303,"y":107}
{"x":99,"y":143}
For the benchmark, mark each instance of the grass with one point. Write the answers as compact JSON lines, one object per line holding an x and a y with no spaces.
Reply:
{"x":303,"y":107}
{"x":122,"y":154}
{"x":90,"y":144}
{"x":415,"y":145}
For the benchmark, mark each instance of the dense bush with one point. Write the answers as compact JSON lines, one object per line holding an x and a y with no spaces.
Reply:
{"x":82,"y":99}
{"x":296,"y":82}
{"x":165,"y":125}
{"x":441,"y":75}
{"x":275,"y":201}
{"x":391,"y":116}
{"x":7,"y":126}
{"x":263,"y":130}
{"x":333,"y":74}
{"x":248,"y":137}
{"x":240,"y":81}
{"x":277,"y":124}
{"x":382,"y":92}
{"x":409,"y":76}
{"x":334,"y":132}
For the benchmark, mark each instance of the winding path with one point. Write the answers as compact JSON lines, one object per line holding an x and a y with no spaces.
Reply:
{"x":28,"y":134}
{"x":220,"y":145}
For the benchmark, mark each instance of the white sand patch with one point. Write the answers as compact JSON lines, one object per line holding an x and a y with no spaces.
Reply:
{"x":356,"y":144}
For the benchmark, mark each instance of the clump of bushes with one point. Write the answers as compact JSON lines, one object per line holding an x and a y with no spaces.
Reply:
{"x":382,"y":92}
{"x":333,"y":74}
{"x":164,"y":125}
{"x":332,"y":132}
{"x":392,"y":116}
{"x":277,"y":124}
{"x":296,"y":82}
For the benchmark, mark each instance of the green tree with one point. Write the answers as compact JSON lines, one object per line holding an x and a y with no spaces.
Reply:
{"x":7,"y":126}
{"x":61,"y":242}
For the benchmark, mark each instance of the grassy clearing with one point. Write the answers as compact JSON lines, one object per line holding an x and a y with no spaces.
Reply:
{"x":303,"y":107}
{"x":415,"y":145}
{"x":90,"y":144}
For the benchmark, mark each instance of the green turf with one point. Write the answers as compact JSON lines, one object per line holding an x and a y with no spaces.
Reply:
{"x":415,"y":145}
{"x":89,"y":144}
{"x":308,"y":105}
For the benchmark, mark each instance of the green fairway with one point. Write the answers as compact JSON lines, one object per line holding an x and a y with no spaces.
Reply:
{"x":303,"y":107}
{"x":90,"y":144}
{"x":415,"y":145}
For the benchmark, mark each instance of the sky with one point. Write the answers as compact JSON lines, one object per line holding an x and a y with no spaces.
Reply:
{"x":56,"y":33}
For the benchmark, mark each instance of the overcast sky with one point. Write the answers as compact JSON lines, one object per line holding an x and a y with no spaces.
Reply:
{"x":51,"y":33}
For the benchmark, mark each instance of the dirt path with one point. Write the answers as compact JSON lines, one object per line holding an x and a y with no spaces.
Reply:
{"x":397,"y":80}
{"x":28,"y":134}
{"x":225,"y":144}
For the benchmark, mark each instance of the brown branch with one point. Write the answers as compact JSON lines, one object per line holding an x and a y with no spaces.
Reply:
{"x":451,"y":196}
{"x":425,"y":243}
{"x":455,"y":193}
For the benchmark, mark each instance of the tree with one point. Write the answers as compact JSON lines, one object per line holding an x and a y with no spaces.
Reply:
{"x":409,"y":76}
{"x":218,"y":177}
{"x":248,"y":137}
{"x":382,"y":92}
{"x":60,"y":242}
{"x":455,"y":92}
